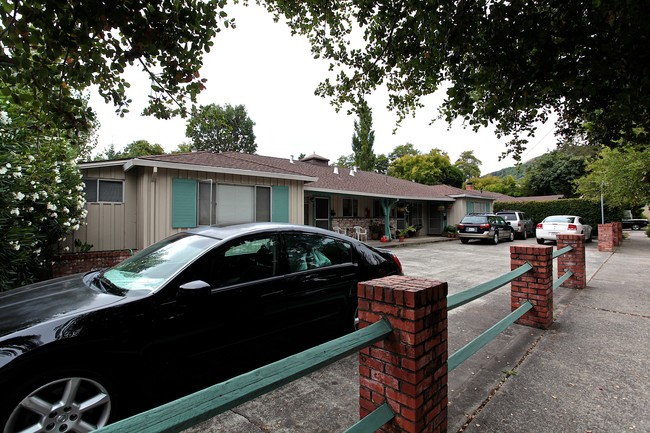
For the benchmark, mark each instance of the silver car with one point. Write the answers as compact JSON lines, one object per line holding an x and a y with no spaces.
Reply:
{"x":555,"y":225}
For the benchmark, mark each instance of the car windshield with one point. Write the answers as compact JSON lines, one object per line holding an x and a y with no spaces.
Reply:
{"x":474,"y":219}
{"x":559,"y":219}
{"x":150,"y":268}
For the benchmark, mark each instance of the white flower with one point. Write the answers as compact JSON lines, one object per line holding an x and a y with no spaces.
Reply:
{"x":66,"y":249}
{"x":15,"y":211}
{"x":30,"y":158}
{"x":35,"y":196}
{"x":44,"y":194}
{"x":51,"y":206}
{"x":17,"y":174}
{"x":3,"y":170}
{"x":37,"y":251}
{"x":66,"y":224}
{"x":75,"y":227}
{"x":4,"y":118}
{"x":19,"y":195}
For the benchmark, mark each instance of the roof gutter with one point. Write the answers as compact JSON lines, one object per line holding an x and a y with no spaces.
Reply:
{"x":136,"y":162}
{"x":379,"y":195}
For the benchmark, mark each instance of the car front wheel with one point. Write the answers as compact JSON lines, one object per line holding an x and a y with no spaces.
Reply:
{"x":464,"y":240}
{"x":635,"y":227}
{"x":540,"y":241}
{"x":69,"y":404}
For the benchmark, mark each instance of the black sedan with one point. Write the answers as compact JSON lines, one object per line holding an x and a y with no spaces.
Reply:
{"x":194,"y":309}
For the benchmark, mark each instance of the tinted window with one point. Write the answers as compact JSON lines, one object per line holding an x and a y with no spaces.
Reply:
{"x":559,"y":219}
{"x":509,"y":216}
{"x":243,"y":261}
{"x":312,"y":251}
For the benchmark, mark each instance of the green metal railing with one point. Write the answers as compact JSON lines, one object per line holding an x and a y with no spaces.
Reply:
{"x":568,"y":274}
{"x":462,"y":298}
{"x":202,"y":405}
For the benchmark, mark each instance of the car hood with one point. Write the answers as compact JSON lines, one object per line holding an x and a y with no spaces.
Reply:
{"x":48,"y":300}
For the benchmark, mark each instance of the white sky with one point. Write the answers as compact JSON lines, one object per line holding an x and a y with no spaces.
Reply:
{"x":261,"y":66}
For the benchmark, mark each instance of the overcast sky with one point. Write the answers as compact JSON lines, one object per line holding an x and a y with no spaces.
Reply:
{"x":261,"y":66}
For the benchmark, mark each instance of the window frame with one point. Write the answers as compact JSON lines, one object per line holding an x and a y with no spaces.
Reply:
{"x":354,"y":206}
{"x":98,"y":182}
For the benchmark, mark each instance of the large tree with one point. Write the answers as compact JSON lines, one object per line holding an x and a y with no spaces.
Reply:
{"x":363,"y":139}
{"x":504,"y":62}
{"x":56,"y":47}
{"x":621,"y":175}
{"x":469,"y":164}
{"x":555,"y":171}
{"x":221,"y":129}
{"x":431,"y":169}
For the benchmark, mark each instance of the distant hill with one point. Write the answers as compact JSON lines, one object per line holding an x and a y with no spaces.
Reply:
{"x":517,"y":172}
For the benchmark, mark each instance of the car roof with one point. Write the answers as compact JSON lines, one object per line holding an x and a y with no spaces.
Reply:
{"x":226,"y":231}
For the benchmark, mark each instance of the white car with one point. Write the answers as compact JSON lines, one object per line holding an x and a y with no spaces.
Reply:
{"x":555,"y":225}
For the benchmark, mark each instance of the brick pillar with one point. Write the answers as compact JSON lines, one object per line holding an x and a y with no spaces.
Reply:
{"x":573,"y":261}
{"x":605,"y":237}
{"x":618,"y":233}
{"x":535,"y":285}
{"x":409,"y":368}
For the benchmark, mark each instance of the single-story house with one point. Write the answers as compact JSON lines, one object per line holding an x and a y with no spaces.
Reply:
{"x":133,"y":203}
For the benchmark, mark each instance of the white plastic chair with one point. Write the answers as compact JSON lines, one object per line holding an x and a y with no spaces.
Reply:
{"x":339,"y":230}
{"x":360,"y":232}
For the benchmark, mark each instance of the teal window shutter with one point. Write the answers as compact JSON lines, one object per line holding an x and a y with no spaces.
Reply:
{"x":183,"y":203}
{"x":280,"y":204}
{"x":488,"y":207}
{"x":470,"y":206}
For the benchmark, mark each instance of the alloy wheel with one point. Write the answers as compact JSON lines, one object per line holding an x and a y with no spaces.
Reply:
{"x":72,"y":404}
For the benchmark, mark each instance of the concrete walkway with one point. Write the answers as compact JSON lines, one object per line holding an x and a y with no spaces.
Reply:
{"x":591,"y":371}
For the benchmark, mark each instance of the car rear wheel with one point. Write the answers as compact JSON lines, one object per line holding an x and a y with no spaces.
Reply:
{"x":495,"y":239}
{"x":636,"y":227}
{"x":67,"y":404}
{"x":524,"y":234}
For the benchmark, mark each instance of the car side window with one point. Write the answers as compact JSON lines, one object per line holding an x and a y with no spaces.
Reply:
{"x":243,"y":261}
{"x":306,"y":251}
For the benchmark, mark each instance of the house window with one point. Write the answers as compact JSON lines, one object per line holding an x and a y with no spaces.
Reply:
{"x":207,"y":204}
{"x":197,"y":203}
{"x":262,"y":203}
{"x":350,"y":207}
{"x":99,"y":190}
{"x":478,"y":207}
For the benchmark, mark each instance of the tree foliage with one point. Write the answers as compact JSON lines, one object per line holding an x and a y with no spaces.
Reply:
{"x":507,"y":63}
{"x":221,"y":129}
{"x":41,"y":194}
{"x":621,"y":175}
{"x":507,"y":185}
{"x":56,"y":47}
{"x":132,"y":150}
{"x":363,"y":139}
{"x":554,"y":172}
{"x":469,"y":164}
{"x":431,"y":169}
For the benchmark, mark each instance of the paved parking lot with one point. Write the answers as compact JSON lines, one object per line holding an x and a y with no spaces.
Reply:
{"x":327,"y":401}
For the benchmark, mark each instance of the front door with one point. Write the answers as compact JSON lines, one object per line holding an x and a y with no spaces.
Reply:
{"x":322,"y":212}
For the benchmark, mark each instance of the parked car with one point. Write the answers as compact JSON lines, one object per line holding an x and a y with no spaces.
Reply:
{"x":519,"y":221}
{"x":634,"y":224}
{"x":194,"y":309}
{"x":486,"y":227}
{"x":554,"y":225}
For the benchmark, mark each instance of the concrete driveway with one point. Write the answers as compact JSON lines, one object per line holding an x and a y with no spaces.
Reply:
{"x":327,"y":401}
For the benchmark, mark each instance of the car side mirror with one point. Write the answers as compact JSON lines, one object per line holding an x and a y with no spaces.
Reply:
{"x":196,"y":288}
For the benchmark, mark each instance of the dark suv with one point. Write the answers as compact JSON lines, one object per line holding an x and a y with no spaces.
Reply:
{"x":486,"y":227}
{"x":519,"y":221}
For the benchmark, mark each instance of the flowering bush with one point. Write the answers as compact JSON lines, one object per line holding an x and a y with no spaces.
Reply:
{"x":41,"y":199}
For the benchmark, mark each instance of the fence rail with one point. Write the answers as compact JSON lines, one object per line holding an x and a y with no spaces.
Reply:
{"x":202,"y":405}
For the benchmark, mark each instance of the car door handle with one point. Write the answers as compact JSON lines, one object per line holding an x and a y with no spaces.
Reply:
{"x":273,"y":293}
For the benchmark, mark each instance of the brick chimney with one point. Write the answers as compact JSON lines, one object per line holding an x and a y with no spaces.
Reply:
{"x":469,"y":187}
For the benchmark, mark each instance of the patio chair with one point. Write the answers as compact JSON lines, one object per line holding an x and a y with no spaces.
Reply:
{"x":360,"y":232}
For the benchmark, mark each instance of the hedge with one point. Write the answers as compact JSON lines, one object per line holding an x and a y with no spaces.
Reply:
{"x":538,"y":210}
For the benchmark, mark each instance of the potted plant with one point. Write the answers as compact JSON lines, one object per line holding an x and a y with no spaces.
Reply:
{"x":452,"y":231}
{"x":403,"y":233}
{"x":376,"y":230}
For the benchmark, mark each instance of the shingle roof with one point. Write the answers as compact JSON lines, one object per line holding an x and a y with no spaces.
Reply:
{"x":343,"y":181}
